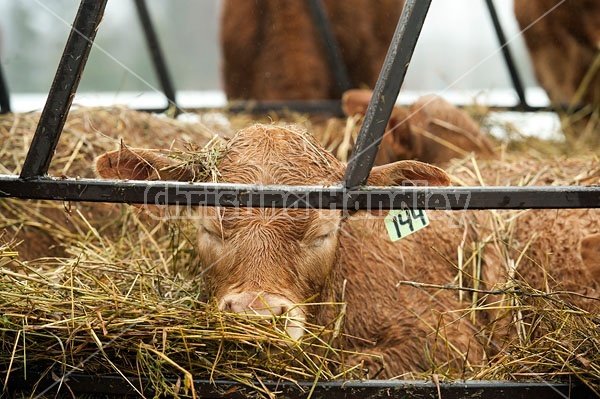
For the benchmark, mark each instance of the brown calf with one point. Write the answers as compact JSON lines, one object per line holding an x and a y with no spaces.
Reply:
{"x":271,"y":49}
{"x":431,"y":130}
{"x":274,"y":262}
{"x":563,"y":41}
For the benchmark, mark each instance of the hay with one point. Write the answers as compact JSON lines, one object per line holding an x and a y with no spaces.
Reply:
{"x":129,"y":307}
{"x":101,"y":288}
{"x":558,"y":340}
{"x":127,"y":317}
{"x":551,"y":337}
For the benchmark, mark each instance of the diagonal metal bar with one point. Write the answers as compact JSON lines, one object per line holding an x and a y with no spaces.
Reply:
{"x":63,"y":88}
{"x":4,"y":97}
{"x":508,"y":58}
{"x":328,"y":107}
{"x":332,"y":49}
{"x":386,"y":92}
{"x":160,"y":65}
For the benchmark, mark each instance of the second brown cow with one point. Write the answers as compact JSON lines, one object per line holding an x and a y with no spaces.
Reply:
{"x":271,"y":49}
{"x":563,"y":38}
{"x":430,"y":130}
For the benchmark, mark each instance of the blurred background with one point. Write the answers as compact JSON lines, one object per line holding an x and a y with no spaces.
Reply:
{"x":456,"y":54}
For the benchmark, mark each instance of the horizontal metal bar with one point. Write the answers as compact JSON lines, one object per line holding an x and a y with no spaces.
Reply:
{"x":116,"y":385}
{"x":333,"y":107}
{"x":333,"y":197}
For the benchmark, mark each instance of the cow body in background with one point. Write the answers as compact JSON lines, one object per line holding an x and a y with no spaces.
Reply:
{"x":293,"y":262}
{"x":563,"y":41}
{"x":271,"y":49}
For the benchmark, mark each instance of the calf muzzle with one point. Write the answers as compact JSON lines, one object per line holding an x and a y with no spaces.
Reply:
{"x":267,"y":306}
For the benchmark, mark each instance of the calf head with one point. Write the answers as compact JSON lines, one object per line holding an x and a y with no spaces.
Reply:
{"x":430,"y":130}
{"x":264,"y":261}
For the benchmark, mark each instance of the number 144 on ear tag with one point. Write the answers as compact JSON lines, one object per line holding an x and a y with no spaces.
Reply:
{"x":402,"y":223}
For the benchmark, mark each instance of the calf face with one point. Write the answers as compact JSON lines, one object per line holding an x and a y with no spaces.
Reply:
{"x":263,"y":261}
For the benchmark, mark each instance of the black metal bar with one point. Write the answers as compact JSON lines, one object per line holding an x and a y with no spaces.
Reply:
{"x":160,"y":65}
{"x":4,"y":97}
{"x":78,"y":383}
{"x":330,"y":107}
{"x":332,"y":49}
{"x":386,"y":92}
{"x":334,"y":197}
{"x":508,"y":59}
{"x":63,"y":88}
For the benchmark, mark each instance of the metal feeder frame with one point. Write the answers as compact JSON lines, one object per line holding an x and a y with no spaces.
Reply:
{"x":34,"y":183}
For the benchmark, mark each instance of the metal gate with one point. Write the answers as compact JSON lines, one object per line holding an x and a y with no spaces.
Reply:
{"x":34,"y":183}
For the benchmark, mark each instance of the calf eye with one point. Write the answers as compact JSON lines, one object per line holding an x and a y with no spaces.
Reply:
{"x":212,"y":234}
{"x":317,"y":242}
{"x":320,"y":240}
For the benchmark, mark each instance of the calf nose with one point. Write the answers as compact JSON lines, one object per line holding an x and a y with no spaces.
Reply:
{"x":255,"y":303}
{"x":267,"y":305}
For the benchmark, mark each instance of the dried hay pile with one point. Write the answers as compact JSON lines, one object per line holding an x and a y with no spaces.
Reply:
{"x":101,"y":288}
{"x":552,"y":337}
{"x":127,"y":316}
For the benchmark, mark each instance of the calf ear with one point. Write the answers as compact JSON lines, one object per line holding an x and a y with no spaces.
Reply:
{"x":590,"y":254}
{"x":413,"y":173}
{"x":396,"y":143}
{"x":138,"y":164}
{"x":356,"y":101}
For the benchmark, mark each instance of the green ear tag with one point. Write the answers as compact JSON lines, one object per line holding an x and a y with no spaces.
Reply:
{"x":399,"y":224}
